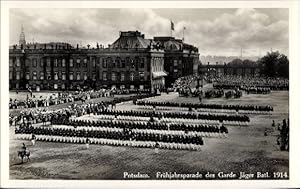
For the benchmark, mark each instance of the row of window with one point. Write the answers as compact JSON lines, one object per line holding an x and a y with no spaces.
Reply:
{"x":62,"y":76}
{"x":117,"y":63}
{"x":176,"y":62}
{"x":115,"y":76}
{"x":120,"y":63}
{"x":49,"y":77}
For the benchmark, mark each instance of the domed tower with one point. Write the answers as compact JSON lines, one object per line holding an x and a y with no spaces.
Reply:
{"x":22,"y":40}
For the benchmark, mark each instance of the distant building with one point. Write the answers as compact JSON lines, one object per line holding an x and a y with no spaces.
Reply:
{"x":131,"y":62}
{"x":221,"y":59}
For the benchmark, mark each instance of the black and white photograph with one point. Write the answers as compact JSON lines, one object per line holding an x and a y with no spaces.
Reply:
{"x":139,"y":93}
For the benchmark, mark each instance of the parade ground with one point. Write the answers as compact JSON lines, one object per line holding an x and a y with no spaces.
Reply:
{"x":245,"y":149}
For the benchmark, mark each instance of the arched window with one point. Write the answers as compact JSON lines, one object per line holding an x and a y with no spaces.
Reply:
{"x":78,"y":75}
{"x":131,"y":76}
{"x":63,"y":75}
{"x":113,"y":76}
{"x":104,"y":76}
{"x":63,"y":62}
{"x":71,"y":75}
{"x":55,"y":75}
{"x":122,"y":76}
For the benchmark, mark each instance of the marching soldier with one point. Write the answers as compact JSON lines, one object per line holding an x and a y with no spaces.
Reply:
{"x":87,"y":143}
{"x":23,"y":148}
{"x":200,"y":97}
{"x":265,"y":133}
{"x":273,"y":123}
{"x":33,"y":138}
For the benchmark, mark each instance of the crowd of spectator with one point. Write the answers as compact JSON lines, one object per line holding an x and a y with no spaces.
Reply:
{"x":32,"y":101}
{"x":42,"y":115}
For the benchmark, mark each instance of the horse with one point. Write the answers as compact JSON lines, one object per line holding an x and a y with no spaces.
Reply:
{"x":229,"y":94}
{"x":23,"y":154}
{"x":209,"y":94}
{"x":238,"y":94}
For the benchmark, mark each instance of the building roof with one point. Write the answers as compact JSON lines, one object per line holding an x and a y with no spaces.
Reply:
{"x":126,"y":40}
{"x":172,"y":44}
{"x":130,"y":40}
{"x":50,"y":45}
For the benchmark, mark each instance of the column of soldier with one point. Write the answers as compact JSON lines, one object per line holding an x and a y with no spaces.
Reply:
{"x":258,"y":85}
{"x":154,"y":132}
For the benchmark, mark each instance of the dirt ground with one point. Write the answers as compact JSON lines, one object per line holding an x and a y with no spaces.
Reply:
{"x":246,"y":149}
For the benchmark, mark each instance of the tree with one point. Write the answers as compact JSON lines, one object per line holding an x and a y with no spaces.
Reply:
{"x":248,"y":63}
{"x":275,"y":65}
{"x":236,"y":62}
{"x":283,"y":66}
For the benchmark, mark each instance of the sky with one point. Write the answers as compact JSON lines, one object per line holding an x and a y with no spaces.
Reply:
{"x":217,"y":31}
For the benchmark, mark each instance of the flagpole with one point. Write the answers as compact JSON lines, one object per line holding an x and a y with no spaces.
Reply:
{"x":183,"y":33}
{"x":171,"y":28}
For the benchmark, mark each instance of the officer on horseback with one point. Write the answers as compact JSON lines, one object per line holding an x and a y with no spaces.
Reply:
{"x":23,"y":148}
{"x":23,"y":153}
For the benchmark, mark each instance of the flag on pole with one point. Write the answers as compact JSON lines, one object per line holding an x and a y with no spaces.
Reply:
{"x":172,"y":25}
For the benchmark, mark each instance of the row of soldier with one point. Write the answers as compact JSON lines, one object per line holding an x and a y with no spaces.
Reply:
{"x":146,"y":125}
{"x":118,"y":135}
{"x":185,"y":115}
{"x":131,"y":143}
{"x":208,"y":106}
{"x":256,"y":90}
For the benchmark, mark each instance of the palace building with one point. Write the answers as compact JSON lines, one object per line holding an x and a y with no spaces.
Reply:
{"x":131,"y":62}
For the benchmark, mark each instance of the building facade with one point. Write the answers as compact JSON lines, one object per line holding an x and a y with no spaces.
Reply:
{"x":181,"y":59}
{"x":131,"y":62}
{"x":219,"y":70}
